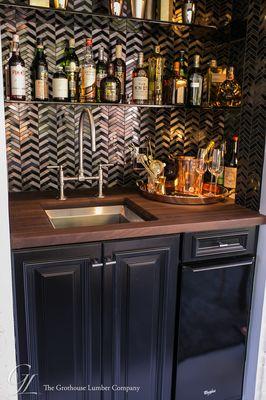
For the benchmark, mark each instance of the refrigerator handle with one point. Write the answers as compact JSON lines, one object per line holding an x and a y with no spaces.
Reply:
{"x":202,"y":268}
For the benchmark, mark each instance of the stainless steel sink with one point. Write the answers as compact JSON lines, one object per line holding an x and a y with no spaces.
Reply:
{"x":91,"y":216}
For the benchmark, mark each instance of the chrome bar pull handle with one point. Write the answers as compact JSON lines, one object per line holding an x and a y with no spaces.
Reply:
{"x":108,"y":262}
{"x":96,"y":264}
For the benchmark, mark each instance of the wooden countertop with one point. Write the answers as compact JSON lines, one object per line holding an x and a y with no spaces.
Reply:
{"x":30,"y":227}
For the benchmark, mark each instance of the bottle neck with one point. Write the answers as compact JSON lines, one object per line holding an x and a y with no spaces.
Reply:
{"x":88,"y":53}
{"x":111,"y":70}
{"x":101,"y":54}
{"x":140,"y":60}
{"x":15,"y":48}
{"x":118,"y":51}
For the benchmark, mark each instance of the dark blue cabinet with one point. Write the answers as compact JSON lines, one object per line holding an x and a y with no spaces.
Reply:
{"x":98,"y":314}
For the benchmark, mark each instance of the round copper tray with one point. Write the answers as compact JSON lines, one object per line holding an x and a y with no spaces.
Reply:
{"x":180,"y":198}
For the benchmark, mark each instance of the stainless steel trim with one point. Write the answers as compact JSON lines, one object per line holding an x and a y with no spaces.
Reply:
{"x":97,"y":264}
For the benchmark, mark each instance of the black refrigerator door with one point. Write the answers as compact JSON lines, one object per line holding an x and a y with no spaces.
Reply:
{"x":213,"y":325}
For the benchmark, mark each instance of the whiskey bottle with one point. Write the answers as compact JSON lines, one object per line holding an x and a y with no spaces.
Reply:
{"x":167,"y":83}
{"x":110,"y":86}
{"x":140,"y":82}
{"x":195,"y":83}
{"x":213,"y":80}
{"x":7,"y":73}
{"x":71,"y":66}
{"x":156,"y":68}
{"x":183,"y":66}
{"x":179,"y":92}
{"x":88,"y":75}
{"x":40,"y":73}
{"x":17,"y":73}
{"x":101,"y":72}
{"x":229,"y":94}
{"x":60,"y":85}
{"x":120,"y":70}
{"x":230,"y":169}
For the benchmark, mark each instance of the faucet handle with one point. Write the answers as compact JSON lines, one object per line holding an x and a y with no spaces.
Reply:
{"x":105,"y":165}
{"x":60,"y":168}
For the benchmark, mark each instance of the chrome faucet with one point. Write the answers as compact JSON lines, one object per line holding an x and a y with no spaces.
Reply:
{"x":81,"y":176}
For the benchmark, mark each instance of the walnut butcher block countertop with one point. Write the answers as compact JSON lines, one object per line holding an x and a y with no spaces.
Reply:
{"x":30,"y":227}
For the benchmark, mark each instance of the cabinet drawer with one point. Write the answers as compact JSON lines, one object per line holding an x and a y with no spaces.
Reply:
{"x":203,"y":245}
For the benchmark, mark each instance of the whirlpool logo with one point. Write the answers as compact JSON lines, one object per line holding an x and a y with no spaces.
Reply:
{"x":209,"y":392}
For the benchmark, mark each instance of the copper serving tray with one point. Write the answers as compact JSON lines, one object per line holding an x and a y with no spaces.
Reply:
{"x":184,"y":199}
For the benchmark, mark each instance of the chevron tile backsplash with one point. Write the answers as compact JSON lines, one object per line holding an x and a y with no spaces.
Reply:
{"x":44,"y":134}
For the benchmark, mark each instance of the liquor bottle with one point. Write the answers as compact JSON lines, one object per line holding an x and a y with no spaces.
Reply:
{"x":183,"y":67}
{"x":230,"y":169}
{"x":167,"y":83}
{"x":195,"y":83}
{"x":7,"y":73}
{"x":230,"y":91}
{"x":213,"y":79}
{"x":140,"y":82}
{"x":101,"y":72}
{"x":120,"y":70}
{"x":40,"y":74}
{"x":60,"y":84}
{"x":110,"y":86}
{"x":156,"y":68}
{"x":71,"y":66}
{"x":179,"y":92}
{"x":116,"y":7}
{"x":88,"y":75}
{"x":188,"y":12}
{"x":17,"y":73}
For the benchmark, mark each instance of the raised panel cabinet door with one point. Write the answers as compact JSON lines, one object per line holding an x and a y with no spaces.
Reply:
{"x":58,"y":321}
{"x":140,"y":284}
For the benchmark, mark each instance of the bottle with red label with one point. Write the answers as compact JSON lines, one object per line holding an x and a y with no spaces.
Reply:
{"x":230,"y":169}
{"x":17,"y":72}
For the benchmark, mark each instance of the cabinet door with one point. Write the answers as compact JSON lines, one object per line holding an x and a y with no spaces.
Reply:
{"x":140,"y":281}
{"x":58,"y":294}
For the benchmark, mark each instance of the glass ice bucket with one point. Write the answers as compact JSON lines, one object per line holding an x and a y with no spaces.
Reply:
{"x":187,"y":175}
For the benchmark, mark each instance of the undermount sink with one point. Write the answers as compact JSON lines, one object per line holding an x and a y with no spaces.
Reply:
{"x":92,"y":216}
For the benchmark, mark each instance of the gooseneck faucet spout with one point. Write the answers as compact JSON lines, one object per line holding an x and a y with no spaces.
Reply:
{"x":85,"y":111}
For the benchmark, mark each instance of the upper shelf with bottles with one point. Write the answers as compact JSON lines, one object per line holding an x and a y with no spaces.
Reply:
{"x":139,"y":12}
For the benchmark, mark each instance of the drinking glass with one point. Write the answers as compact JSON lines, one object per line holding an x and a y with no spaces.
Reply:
{"x":215,"y":166}
{"x":201,"y":168}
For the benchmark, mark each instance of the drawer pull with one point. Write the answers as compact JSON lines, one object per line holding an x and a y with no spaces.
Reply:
{"x":109,"y":262}
{"x":221,"y":245}
{"x":96,"y":264}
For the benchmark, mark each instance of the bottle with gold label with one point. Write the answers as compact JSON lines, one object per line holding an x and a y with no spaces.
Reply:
{"x":140,"y":82}
{"x":39,"y":71}
{"x":120,"y":70}
{"x":214,"y":78}
{"x":156,"y":68}
{"x":110,"y":86}
{"x":230,"y":169}
{"x":179,"y":92}
{"x":230,"y":91}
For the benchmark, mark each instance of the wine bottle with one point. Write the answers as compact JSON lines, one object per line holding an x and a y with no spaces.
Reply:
{"x":195,"y":83}
{"x":71,"y":67}
{"x":88,"y":75}
{"x":101,"y":72}
{"x":140,"y":82}
{"x":110,"y":86}
{"x":230,"y":169}
{"x":120,"y":70}
{"x":17,"y":73}
{"x":60,"y":85}
{"x":40,"y":73}
{"x":7,"y":73}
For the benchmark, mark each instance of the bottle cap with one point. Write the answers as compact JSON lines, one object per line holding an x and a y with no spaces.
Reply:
{"x":59,"y":68}
{"x":141,"y":57}
{"x":197,"y":59}
{"x":231,"y":73}
{"x":16,"y":38}
{"x":39,"y":43}
{"x":235,"y":137}
{"x":213,"y":63}
{"x":89,"y":41}
{"x":71,"y":43}
{"x":177,"y":66}
{"x":157,"y":48}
